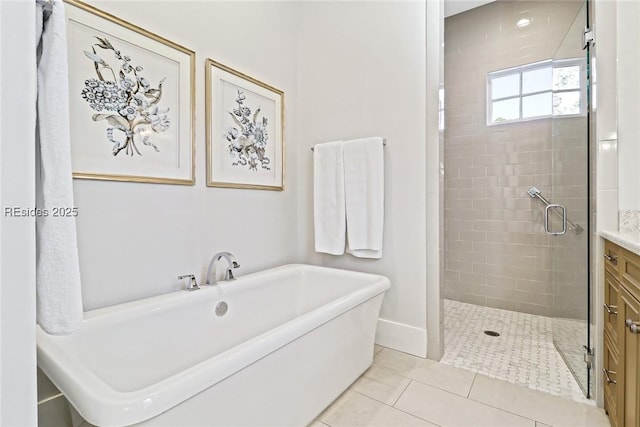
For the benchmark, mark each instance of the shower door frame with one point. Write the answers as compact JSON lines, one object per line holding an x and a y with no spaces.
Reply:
{"x":588,"y":352}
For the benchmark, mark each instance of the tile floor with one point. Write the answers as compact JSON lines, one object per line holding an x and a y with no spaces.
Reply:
{"x":402,"y":390}
{"x":569,"y":335}
{"x":523,"y":354}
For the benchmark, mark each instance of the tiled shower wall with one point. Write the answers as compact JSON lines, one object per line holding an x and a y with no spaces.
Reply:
{"x":496,"y":251}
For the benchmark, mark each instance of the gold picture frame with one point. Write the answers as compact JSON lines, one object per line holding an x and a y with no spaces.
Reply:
{"x":131,"y":99}
{"x":244,"y":130}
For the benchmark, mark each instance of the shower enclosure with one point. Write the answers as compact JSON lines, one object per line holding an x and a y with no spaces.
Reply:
{"x":568,"y":215}
{"x":517,"y":175}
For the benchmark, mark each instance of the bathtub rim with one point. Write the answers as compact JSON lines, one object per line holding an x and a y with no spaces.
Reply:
{"x":99,"y":403}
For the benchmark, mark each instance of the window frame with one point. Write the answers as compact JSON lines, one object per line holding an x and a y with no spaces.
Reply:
{"x":582,"y":78}
{"x":520,"y":70}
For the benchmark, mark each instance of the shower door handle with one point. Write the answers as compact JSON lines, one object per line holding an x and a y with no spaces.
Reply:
{"x":563,"y":214}
{"x":576,"y":228}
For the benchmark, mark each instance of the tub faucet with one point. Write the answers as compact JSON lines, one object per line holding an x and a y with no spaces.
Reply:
{"x":192,"y":285}
{"x":231,"y":264}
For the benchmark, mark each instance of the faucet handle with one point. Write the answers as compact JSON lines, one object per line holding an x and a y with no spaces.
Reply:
{"x":192,"y":285}
{"x":229,"y":274}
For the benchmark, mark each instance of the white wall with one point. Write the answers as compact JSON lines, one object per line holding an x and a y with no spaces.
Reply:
{"x":628,"y":39}
{"x":606,"y":116}
{"x":134,"y":239}
{"x":17,"y":188}
{"x":361,"y":72}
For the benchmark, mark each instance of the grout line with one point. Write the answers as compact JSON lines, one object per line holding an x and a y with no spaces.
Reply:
{"x":403,"y":375}
{"x":393,"y":407}
{"x":340,"y":396}
{"x":457,"y":395}
{"x":50,"y":398}
{"x":374,"y":398}
{"x":483,"y":403}
{"x":439,"y":388}
{"x":472,"y":384}
{"x":398,"y":409}
{"x":508,"y":411}
{"x":400,"y":395}
{"x":391,"y":370}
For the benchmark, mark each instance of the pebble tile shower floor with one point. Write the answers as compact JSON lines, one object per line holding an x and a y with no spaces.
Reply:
{"x":523,"y":354}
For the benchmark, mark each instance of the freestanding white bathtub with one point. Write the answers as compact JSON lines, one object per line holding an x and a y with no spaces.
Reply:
{"x":293,"y":338}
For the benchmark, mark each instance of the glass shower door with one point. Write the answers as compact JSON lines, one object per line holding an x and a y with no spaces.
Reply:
{"x":568,"y":221}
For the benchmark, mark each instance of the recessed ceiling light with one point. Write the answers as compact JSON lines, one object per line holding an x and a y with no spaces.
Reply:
{"x":523,"y":22}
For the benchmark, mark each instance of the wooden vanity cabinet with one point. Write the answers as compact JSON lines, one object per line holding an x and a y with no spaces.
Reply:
{"x":621,"y":359}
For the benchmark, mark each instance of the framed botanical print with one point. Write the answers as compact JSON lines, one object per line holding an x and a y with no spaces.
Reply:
{"x":244,"y":130}
{"x":131,"y":100}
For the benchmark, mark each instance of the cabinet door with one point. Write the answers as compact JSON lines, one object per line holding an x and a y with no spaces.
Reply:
{"x":611,"y":373}
{"x":611,"y":302}
{"x":629,"y":342}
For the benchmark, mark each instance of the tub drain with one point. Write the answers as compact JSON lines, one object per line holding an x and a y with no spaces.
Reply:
{"x":221,"y":308}
{"x":492,"y":333}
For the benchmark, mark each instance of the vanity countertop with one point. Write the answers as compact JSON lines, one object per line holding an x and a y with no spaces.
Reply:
{"x":630,"y":240}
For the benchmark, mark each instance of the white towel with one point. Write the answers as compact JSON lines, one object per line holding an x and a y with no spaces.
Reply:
{"x":364,"y":196}
{"x":328,"y":198}
{"x":59,"y":299}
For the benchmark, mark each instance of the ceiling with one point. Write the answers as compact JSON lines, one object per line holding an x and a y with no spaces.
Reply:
{"x":453,"y":7}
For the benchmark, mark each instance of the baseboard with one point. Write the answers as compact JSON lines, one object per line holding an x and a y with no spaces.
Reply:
{"x":401,"y":337}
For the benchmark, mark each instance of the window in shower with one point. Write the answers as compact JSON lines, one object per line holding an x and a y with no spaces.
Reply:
{"x":534,"y":91}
